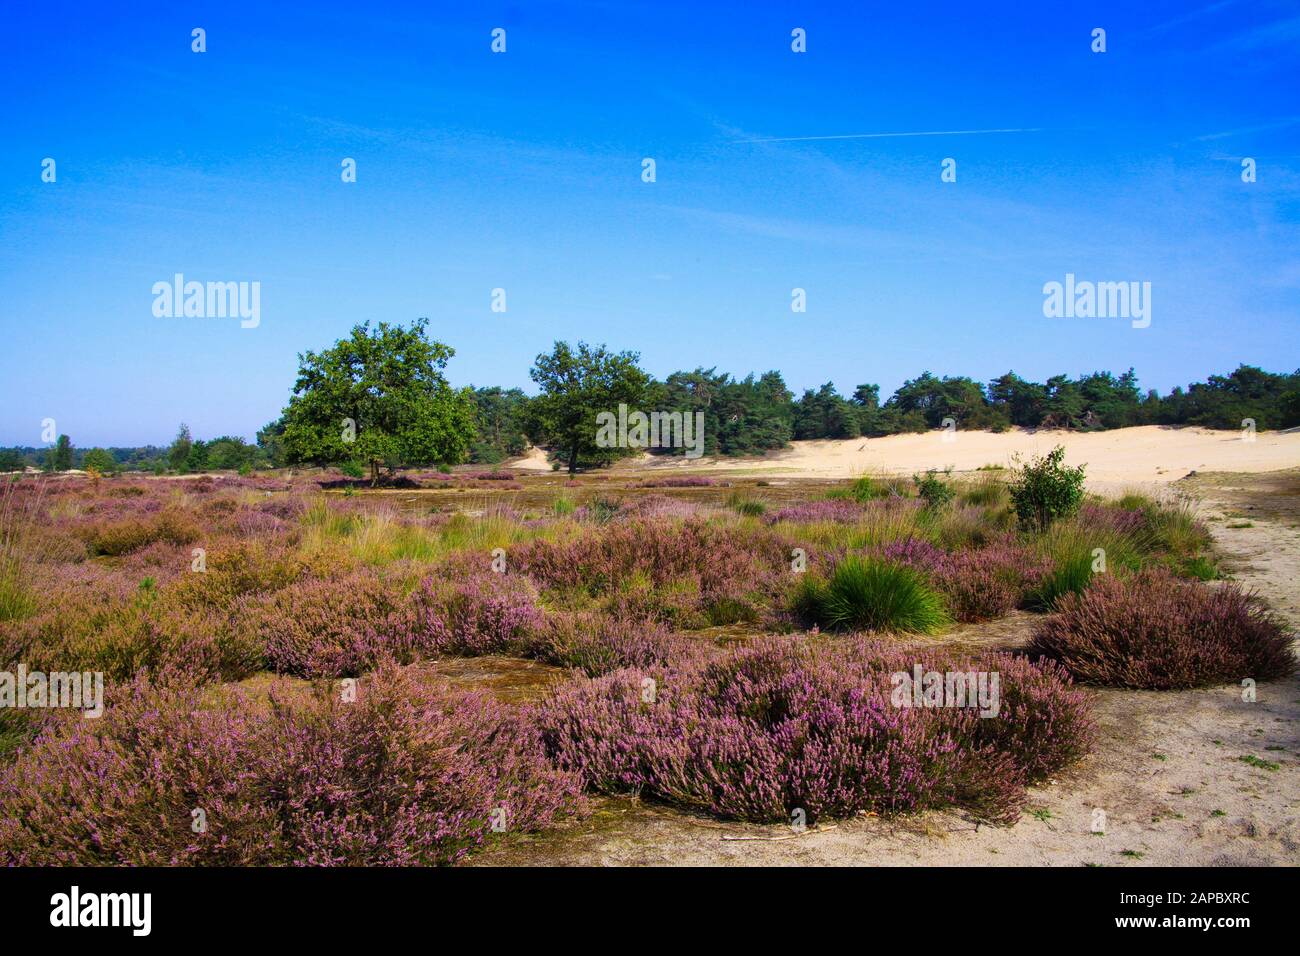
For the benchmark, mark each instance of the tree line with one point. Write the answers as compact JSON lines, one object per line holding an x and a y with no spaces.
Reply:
{"x":378,"y":400}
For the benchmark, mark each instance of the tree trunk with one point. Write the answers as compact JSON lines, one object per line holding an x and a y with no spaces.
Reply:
{"x":573,"y":461}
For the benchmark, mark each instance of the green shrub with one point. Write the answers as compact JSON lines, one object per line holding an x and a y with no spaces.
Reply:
{"x":933,"y":490}
{"x":563,"y":507}
{"x":1045,"y":490}
{"x":745,"y":505}
{"x":352,"y":469}
{"x":863,"y":594}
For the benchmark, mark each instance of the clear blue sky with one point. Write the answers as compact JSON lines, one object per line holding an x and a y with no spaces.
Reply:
{"x":522,"y":171}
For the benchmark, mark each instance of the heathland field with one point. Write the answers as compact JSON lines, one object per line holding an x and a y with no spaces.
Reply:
{"x":650,"y":665}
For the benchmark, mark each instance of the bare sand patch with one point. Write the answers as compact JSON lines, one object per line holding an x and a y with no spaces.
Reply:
{"x":1150,"y":454}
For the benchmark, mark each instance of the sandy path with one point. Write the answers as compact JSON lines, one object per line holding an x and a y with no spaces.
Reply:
{"x":1167,"y":772}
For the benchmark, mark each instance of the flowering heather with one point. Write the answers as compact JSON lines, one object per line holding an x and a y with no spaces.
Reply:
{"x":598,"y":644}
{"x":683,"y":481}
{"x":1155,"y":632}
{"x":834,"y":509}
{"x":720,"y":559}
{"x":914,"y":552}
{"x":487,"y":475}
{"x":337,"y":627}
{"x":780,"y":726}
{"x":477,"y":613}
{"x":410,"y":773}
{"x":658,"y":506}
{"x":1118,"y":520}
{"x":108,"y":625}
{"x":988,"y":582}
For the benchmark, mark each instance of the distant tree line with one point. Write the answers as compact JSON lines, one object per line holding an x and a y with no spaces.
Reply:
{"x":378,"y":400}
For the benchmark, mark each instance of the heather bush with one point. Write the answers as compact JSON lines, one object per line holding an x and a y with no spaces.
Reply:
{"x":808,"y":511}
{"x":1155,"y":632}
{"x":338,"y":627}
{"x":476,"y":612}
{"x":122,"y":537}
{"x":719,"y":561}
{"x":599,"y":644}
{"x":982,"y":584}
{"x":101,"y":628}
{"x":871,"y":595}
{"x":683,"y":481}
{"x":780,"y":726}
{"x":408,"y":774}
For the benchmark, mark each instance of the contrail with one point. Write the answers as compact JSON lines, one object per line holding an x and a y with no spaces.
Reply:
{"x":937,"y":132}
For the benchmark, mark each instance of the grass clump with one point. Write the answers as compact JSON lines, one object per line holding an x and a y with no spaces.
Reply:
{"x":867,"y":594}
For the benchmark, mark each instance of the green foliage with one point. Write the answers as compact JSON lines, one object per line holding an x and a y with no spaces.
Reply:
{"x":59,"y":457}
{"x":933,"y":490}
{"x":500,"y":419}
{"x":270,"y":442}
{"x":1045,"y":490}
{"x":12,"y":459}
{"x":178,"y":455}
{"x":744,"y":504}
{"x":378,"y":397}
{"x":99,"y":460}
{"x":741,"y":417}
{"x":1070,"y":576}
{"x":577,"y":386}
{"x":872,"y":595}
{"x":825,"y":414}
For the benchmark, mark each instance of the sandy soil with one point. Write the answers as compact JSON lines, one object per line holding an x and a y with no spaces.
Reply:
{"x":1168,"y":770}
{"x":1136,"y":456}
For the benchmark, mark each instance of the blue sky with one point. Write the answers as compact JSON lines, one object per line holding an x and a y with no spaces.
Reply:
{"x":522,"y":171}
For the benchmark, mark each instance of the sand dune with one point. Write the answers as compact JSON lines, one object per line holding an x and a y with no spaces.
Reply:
{"x":1143,"y":455}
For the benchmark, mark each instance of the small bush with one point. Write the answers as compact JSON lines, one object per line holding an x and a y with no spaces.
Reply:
{"x":1045,"y":490}
{"x":1155,"y":632}
{"x":872,"y":595}
{"x":781,"y":726}
{"x":933,"y":490}
{"x":865,"y":488}
{"x":598,"y":644}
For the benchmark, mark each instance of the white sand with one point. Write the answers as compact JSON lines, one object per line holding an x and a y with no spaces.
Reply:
{"x":1142,"y":455}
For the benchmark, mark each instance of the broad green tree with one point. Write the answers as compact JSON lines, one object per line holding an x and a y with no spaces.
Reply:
{"x":378,"y":398}
{"x":577,"y":385}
